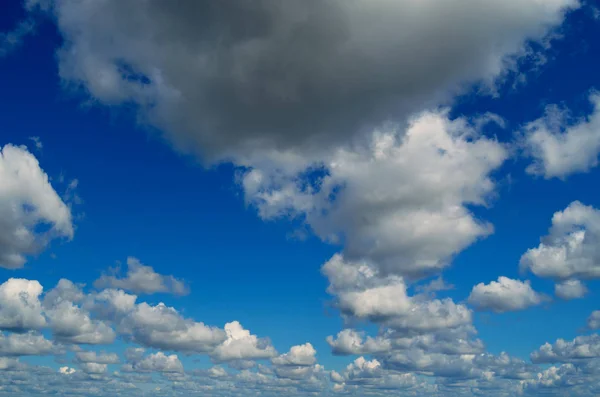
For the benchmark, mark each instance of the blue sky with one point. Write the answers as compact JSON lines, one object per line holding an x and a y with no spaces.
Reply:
{"x":423,"y":134}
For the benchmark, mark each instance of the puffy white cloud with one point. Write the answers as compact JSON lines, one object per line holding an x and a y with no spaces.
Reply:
{"x":142,"y":279}
{"x":162,"y":327}
{"x":582,"y":347}
{"x":290,"y":75}
{"x":400,"y":200}
{"x":20,"y":308}
{"x":593,"y":321}
{"x":570,"y":289}
{"x":241,"y":345}
{"x":349,"y":341}
{"x":559,"y":149}
{"x":363,"y":292}
{"x":31,"y":212}
{"x":94,"y":357}
{"x":301,"y":355}
{"x":67,"y":370}
{"x":371,"y":375}
{"x":570,"y":250}
{"x":93,"y":368}
{"x":71,"y":323}
{"x":158,"y":362}
{"x":27,"y":344}
{"x":504,"y":295}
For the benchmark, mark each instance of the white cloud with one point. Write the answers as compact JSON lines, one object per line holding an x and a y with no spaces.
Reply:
{"x":142,"y":279}
{"x":31,"y":212}
{"x":94,"y":357}
{"x":362,"y":292}
{"x":301,"y":355}
{"x":162,"y":327}
{"x":158,"y":362}
{"x":241,"y":345}
{"x":66,"y":370}
{"x":93,"y":368}
{"x":593,"y":321}
{"x":20,"y":308}
{"x":561,"y":351}
{"x":71,"y":323}
{"x":570,"y":289}
{"x":27,"y":344}
{"x":504,"y":295}
{"x":400,"y":200}
{"x":560,"y":150}
{"x":569,"y":251}
{"x":349,"y":341}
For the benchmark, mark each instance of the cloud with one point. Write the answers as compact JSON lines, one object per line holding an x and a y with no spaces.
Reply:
{"x":570,"y":250}
{"x":10,"y":41}
{"x":157,"y":362}
{"x":504,"y":295}
{"x":143,"y":279}
{"x":31,"y":212}
{"x":399,"y":201}
{"x":349,"y":341}
{"x":71,"y":323}
{"x":559,"y":149}
{"x":20,"y":308}
{"x":593,"y":321}
{"x":27,"y":344}
{"x":162,"y":327}
{"x":301,"y":355}
{"x":362,"y":292}
{"x":94,"y":357}
{"x":67,"y":370}
{"x":288,"y":75}
{"x":570,"y":289}
{"x":241,"y":345}
{"x":582,"y":347}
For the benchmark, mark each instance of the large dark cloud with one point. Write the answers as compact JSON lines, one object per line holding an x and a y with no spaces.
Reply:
{"x":228,"y":77}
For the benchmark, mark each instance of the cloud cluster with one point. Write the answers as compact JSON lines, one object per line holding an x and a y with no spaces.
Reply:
{"x":569,"y":253}
{"x":288,"y":75}
{"x":31,"y":212}
{"x":560,"y":148}
{"x":504,"y":295}
{"x":141,"y":279}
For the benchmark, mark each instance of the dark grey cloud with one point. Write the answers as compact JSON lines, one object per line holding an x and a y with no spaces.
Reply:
{"x":232,"y":77}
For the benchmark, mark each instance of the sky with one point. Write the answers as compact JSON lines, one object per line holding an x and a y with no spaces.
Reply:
{"x":300,"y":198}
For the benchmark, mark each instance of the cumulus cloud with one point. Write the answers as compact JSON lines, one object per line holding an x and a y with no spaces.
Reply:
{"x":162,"y":327}
{"x":300,"y":355}
{"x":570,"y":289}
{"x":142,"y":279}
{"x":27,"y":344}
{"x":94,"y":357}
{"x":570,"y":250}
{"x":31,"y":212}
{"x":242,"y":345}
{"x":71,"y":323}
{"x":157,"y":362}
{"x":504,"y":295}
{"x":20,"y":308}
{"x":561,"y":351}
{"x":349,"y":341}
{"x":593,"y":321}
{"x":287,"y":75}
{"x":399,"y":201}
{"x":559,"y":149}
{"x":363,"y":293}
